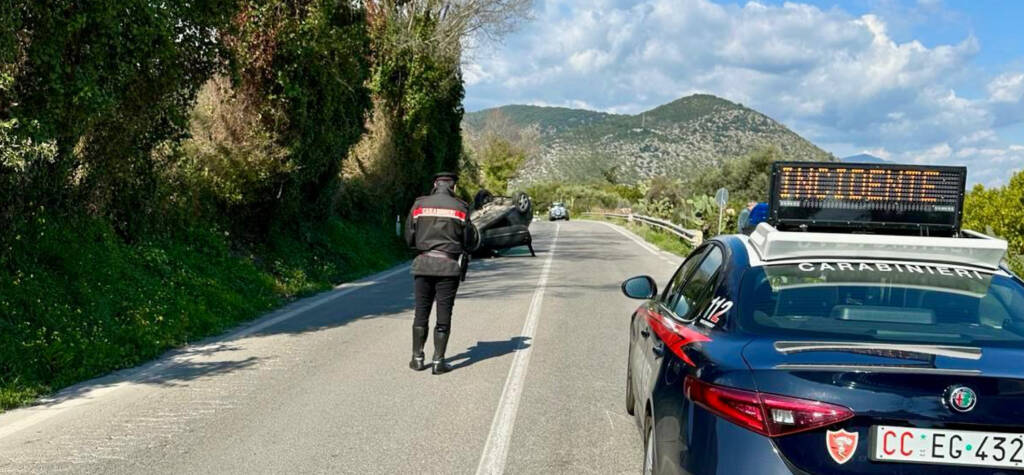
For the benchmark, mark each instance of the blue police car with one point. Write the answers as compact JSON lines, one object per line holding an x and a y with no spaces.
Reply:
{"x":859,"y":330}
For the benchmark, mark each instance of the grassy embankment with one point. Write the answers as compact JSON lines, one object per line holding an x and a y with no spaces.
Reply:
{"x":87,"y":302}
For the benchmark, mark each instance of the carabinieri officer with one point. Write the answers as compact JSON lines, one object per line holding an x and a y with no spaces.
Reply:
{"x":438,"y":227}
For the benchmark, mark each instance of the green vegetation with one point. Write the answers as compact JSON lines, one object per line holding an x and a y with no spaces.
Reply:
{"x":747,"y":178}
{"x":77,"y":300}
{"x":168,"y":170}
{"x":582,"y":198}
{"x":545,"y":118}
{"x":1000,"y":212}
{"x":665,"y":241}
{"x":688,"y":108}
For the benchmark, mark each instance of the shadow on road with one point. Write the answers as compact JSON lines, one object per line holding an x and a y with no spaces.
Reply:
{"x":485,"y":350}
{"x":176,"y":367}
{"x":512,"y":274}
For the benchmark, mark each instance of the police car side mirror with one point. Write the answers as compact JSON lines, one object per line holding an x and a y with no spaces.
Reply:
{"x":640,"y":287}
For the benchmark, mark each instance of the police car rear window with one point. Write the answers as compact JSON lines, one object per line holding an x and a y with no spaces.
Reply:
{"x":883,"y":301}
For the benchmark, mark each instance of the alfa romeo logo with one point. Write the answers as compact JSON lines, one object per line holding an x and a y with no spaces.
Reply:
{"x":961,"y":398}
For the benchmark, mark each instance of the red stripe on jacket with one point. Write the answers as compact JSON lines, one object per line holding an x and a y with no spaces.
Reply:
{"x":439,"y":213}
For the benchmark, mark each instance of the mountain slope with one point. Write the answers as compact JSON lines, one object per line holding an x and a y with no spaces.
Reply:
{"x":674,"y":139}
{"x":863,"y":158}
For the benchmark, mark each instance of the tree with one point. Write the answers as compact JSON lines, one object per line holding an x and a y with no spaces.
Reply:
{"x":267,"y":143}
{"x":416,"y":81}
{"x":106,"y":82}
{"x":454,"y":21}
{"x":500,"y":161}
{"x":999,"y":212}
{"x":501,"y":148}
{"x":747,"y":178}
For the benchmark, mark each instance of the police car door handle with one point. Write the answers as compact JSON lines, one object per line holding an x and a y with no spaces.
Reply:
{"x":658,"y":350}
{"x":645,"y":333}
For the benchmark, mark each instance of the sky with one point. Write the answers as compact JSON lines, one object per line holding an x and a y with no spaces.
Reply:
{"x":915,"y":81}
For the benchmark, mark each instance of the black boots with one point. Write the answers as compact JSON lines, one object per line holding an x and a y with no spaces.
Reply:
{"x":419,"y":338}
{"x":440,"y":343}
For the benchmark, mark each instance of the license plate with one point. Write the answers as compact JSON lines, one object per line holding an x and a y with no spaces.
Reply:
{"x":947,"y":447}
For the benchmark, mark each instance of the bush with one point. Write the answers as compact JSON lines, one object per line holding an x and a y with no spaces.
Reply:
{"x":22,"y":176}
{"x":999,"y":212}
{"x":747,"y":178}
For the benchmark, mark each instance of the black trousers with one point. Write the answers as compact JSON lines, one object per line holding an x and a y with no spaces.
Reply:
{"x":430,"y":288}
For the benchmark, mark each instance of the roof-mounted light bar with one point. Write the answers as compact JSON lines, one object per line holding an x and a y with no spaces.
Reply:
{"x":891,"y":198}
{"x":977,"y":250}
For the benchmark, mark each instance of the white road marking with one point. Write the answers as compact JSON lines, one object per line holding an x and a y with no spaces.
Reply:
{"x":651,"y":248}
{"x":20,"y":419}
{"x":493,"y":458}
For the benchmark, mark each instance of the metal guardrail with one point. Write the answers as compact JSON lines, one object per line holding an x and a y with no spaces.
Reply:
{"x":692,"y":236}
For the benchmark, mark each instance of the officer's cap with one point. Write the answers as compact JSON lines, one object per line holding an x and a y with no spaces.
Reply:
{"x":446,"y":176}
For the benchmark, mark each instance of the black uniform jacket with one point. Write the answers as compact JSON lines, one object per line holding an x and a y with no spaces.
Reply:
{"x":438,"y":227}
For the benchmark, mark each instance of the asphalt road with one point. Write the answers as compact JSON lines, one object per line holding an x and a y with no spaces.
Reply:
{"x":322,"y":386}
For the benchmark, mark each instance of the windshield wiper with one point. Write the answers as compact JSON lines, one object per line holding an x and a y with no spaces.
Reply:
{"x":891,"y":350}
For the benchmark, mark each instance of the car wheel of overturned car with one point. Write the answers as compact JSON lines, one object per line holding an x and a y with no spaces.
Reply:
{"x":481,"y":198}
{"x":523,"y":204}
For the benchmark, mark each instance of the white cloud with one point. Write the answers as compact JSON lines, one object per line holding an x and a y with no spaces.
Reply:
{"x":831,"y":76}
{"x":989,"y":165}
{"x":590,"y":60}
{"x":934,"y":155}
{"x":986,"y":135}
{"x":473,"y":73}
{"x":1007,"y":87}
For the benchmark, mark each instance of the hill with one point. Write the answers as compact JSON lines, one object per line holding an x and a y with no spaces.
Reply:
{"x":863,"y":158}
{"x":673,"y":139}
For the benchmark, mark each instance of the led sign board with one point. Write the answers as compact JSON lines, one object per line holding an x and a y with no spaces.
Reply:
{"x":911,"y":198}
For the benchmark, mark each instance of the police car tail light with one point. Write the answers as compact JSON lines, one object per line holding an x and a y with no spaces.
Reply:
{"x":788,"y":415}
{"x":742,"y":408}
{"x":767,"y":414}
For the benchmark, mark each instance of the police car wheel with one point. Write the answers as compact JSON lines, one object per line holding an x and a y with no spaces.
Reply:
{"x":648,"y":448}
{"x":630,"y":397}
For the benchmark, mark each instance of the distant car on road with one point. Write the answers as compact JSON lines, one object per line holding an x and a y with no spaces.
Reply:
{"x":558,"y":211}
{"x":809,"y":348}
